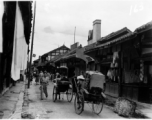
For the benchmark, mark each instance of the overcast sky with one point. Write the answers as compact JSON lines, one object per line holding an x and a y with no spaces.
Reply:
{"x":56,"y":20}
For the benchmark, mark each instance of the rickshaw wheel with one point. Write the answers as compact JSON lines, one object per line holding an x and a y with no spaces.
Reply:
{"x":97,"y":106}
{"x":79,"y":103}
{"x":69,"y":94}
{"x":54,"y":94}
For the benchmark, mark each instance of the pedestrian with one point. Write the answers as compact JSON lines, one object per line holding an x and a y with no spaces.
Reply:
{"x":37,"y":78}
{"x":31,"y":77}
{"x":40,"y":76}
{"x":44,"y":84}
{"x":57,"y":75}
{"x":62,"y":79}
{"x":49,"y":75}
{"x":35,"y":74}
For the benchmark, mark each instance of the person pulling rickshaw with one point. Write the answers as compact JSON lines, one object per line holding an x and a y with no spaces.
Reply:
{"x":90,"y":90}
{"x":62,"y":84}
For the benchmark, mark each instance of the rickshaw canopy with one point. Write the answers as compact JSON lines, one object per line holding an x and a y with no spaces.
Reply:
{"x":63,"y":67}
{"x":93,"y":72}
{"x":97,"y":79}
{"x":63,"y":70}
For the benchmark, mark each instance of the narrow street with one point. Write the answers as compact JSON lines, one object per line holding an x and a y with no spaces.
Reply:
{"x":106,"y":46}
{"x":61,"y":108}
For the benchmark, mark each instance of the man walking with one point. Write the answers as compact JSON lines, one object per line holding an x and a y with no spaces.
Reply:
{"x":41,"y":76}
{"x":44,"y":83}
{"x":37,"y":78}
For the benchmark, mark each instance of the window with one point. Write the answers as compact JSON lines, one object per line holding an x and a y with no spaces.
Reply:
{"x":53,"y":53}
{"x":61,"y":51}
{"x":57,"y":51}
{"x":65,"y":51}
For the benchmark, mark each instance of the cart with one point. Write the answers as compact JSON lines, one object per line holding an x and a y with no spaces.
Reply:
{"x":62,"y":86}
{"x":90,"y":91}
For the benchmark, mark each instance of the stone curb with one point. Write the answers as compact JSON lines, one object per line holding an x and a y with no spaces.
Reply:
{"x":5,"y":90}
{"x":18,"y":108}
{"x":26,"y":114}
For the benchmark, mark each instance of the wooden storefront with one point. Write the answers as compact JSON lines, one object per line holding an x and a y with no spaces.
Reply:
{"x":107,"y":64}
{"x":133,"y":78}
{"x":137,"y":67}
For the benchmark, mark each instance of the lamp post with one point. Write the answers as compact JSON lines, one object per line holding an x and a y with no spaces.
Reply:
{"x":74,"y":34}
{"x":31,"y":54}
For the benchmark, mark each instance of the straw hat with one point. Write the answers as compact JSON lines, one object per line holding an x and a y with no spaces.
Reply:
{"x":80,"y":77}
{"x":116,"y":64}
{"x":112,"y":65}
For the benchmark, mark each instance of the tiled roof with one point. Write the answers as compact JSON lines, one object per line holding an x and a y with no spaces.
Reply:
{"x":144,"y":27}
{"x":113,"y":34}
{"x":66,"y":54}
{"x":58,"y":57}
{"x":122,"y":38}
{"x":70,"y":56}
{"x":71,"y":52}
{"x":55,"y":50}
{"x":105,"y":40}
{"x":91,"y":46}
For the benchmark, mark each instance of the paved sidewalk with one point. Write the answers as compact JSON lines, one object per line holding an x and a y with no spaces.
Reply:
{"x":32,"y":105}
{"x":11,"y":102}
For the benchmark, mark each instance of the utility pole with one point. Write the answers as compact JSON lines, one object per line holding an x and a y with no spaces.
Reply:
{"x":31,"y":55}
{"x":74,"y":34}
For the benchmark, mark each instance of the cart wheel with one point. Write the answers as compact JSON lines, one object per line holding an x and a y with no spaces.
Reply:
{"x":97,"y":106}
{"x":70,"y":94}
{"x":79,"y":103}
{"x":54,"y":94}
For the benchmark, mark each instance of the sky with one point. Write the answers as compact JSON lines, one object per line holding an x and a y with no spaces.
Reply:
{"x":56,"y":20}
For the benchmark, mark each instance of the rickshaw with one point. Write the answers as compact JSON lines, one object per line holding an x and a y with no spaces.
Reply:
{"x":62,"y":86}
{"x":90,"y":90}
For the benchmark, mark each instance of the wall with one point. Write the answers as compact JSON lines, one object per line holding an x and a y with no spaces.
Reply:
{"x":146,"y":40}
